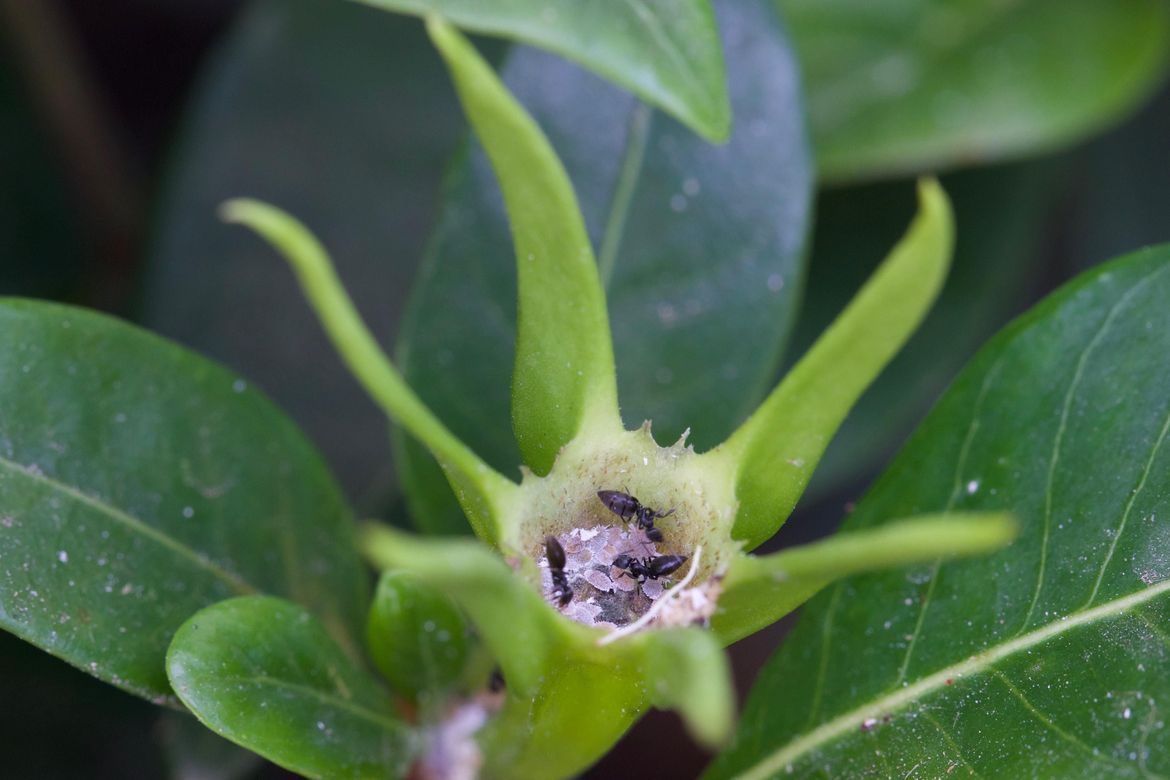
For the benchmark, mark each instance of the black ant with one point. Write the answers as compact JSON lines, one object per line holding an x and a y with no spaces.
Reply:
{"x":561,"y":592}
{"x":649,"y":568}
{"x":626,"y":507}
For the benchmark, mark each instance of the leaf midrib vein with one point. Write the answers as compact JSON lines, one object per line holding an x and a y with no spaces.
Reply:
{"x":975,"y":664}
{"x":133,"y":523}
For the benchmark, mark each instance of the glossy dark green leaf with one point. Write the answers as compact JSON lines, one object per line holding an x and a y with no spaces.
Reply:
{"x":344,"y":116}
{"x":563,"y":381}
{"x":1043,"y":660}
{"x":666,"y":51}
{"x":139,"y":483}
{"x":700,"y":248}
{"x":417,"y":637}
{"x":916,"y":85}
{"x":265,"y":673}
{"x":1001,"y":214}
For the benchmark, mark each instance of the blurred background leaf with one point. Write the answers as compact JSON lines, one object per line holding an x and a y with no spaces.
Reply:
{"x":701,"y":249}
{"x":1121,"y":198}
{"x":342,"y":115}
{"x":912,"y":85}
{"x":1022,"y":228}
{"x":667,"y":52}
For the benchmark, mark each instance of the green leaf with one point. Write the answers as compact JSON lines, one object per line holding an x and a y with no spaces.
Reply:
{"x":701,"y":250}
{"x":759,"y":590}
{"x":139,"y":483}
{"x":914,"y":85}
{"x":365,"y":111}
{"x":667,"y":51}
{"x":564,"y":376}
{"x":265,"y":674}
{"x":481,"y":492}
{"x":773,"y":454}
{"x":1043,"y":660}
{"x":417,"y":638}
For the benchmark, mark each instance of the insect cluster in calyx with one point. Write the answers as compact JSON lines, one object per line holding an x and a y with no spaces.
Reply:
{"x":622,"y":524}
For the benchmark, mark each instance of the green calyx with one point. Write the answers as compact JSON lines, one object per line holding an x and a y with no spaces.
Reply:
{"x":671,"y":479}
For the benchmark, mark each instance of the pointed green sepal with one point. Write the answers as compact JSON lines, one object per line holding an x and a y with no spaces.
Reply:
{"x":774,"y":452}
{"x":686,"y":670}
{"x":418,"y":639}
{"x":759,"y":590}
{"x":264,"y":673}
{"x":563,"y":379}
{"x":483,"y":493}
